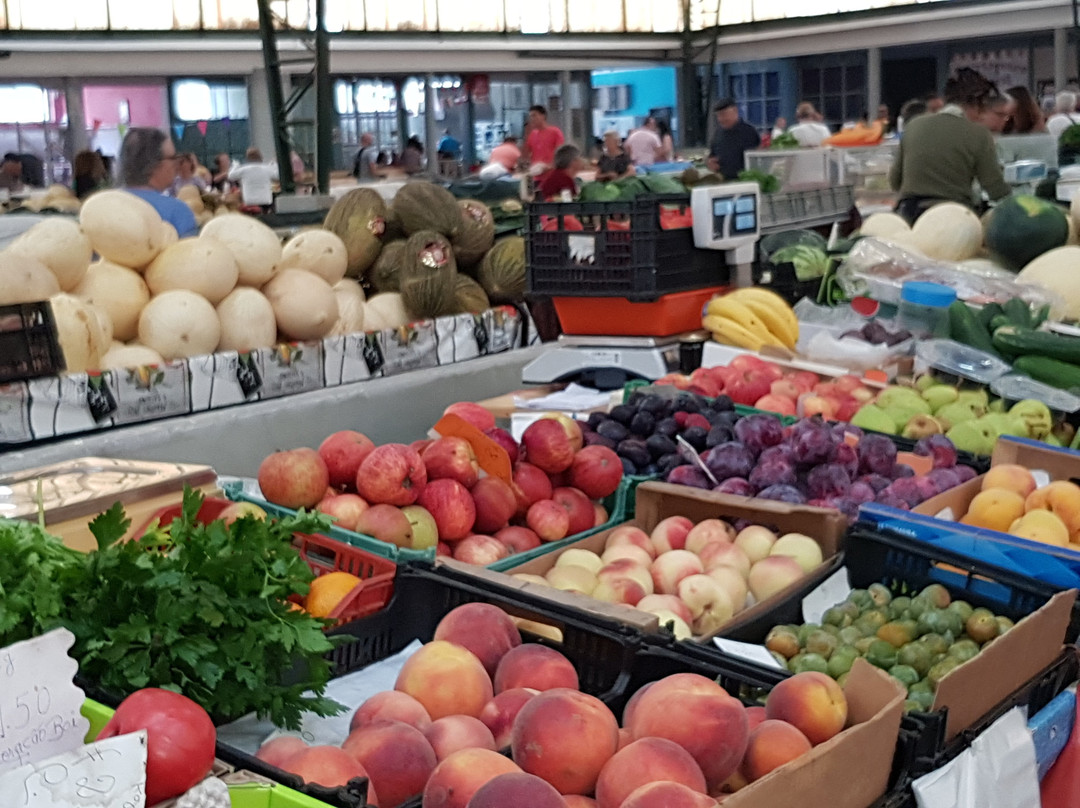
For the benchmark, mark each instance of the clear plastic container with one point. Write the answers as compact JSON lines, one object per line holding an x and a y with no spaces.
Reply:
{"x":962,"y":361}
{"x":1014,"y":387}
{"x":924,"y":308}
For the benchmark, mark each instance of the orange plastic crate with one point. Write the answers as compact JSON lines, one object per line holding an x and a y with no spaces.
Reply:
{"x":618,"y":317}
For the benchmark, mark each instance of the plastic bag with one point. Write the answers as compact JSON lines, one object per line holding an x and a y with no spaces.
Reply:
{"x":851,"y":353}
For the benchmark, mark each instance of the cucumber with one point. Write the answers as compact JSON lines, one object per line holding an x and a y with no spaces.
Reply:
{"x":1049,"y":371}
{"x":988,"y":313}
{"x":965,"y":328}
{"x":1018,"y":312}
{"x":1000,"y":321}
{"x":1040,"y":315}
{"x":1025,"y":342}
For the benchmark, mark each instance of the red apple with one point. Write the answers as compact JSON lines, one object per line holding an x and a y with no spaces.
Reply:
{"x":495,"y":504}
{"x":297,"y":478}
{"x":578,"y":507}
{"x":452,"y":459}
{"x":345,"y":508}
{"x":478,"y":549}
{"x":786,"y":388}
{"x":846,"y":407}
{"x":443,"y":549}
{"x":343,"y":452}
{"x":596,"y":471}
{"x":518,"y":539}
{"x":572,"y":427}
{"x":450,"y":503}
{"x":549,"y":520}
{"x":418,"y":446}
{"x":804,"y":379}
{"x":392,"y":474}
{"x":425,"y":532}
{"x":600,"y":514}
{"x":386,"y":523}
{"x":469,"y":411}
{"x":810,"y":405}
{"x":505,"y":440}
{"x":548,"y":445}
{"x":776,"y":403}
{"x":530,"y":485}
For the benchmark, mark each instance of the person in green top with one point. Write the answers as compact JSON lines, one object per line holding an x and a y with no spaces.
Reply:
{"x":942,"y":155}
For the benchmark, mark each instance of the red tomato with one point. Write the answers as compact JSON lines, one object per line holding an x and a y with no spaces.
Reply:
{"x":180,"y":739}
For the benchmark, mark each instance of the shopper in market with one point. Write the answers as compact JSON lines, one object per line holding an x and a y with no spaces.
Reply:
{"x":542,"y":141}
{"x":186,"y":166}
{"x":256,"y":179}
{"x":667,"y":142}
{"x":11,"y":173}
{"x":507,"y":154}
{"x":941,"y":156}
{"x":1026,"y":118}
{"x":733,"y":138}
{"x":558,"y":184}
{"x":1064,"y":114}
{"x":412,"y":156}
{"x":147,"y":170}
{"x":220,"y":179}
{"x":88,"y":173}
{"x":614,"y":162}
{"x":643,"y":145}
{"x":366,"y":166}
{"x":934,"y":102}
{"x":809,"y":130}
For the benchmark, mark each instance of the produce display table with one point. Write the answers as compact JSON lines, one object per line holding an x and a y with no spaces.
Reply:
{"x":235,"y":440}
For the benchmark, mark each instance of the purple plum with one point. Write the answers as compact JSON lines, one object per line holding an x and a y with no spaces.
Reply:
{"x":783,"y":493}
{"x":907,"y":489}
{"x":729,"y":460}
{"x":847,"y":457}
{"x":876,"y":481}
{"x":812,"y":445}
{"x":944,"y":479}
{"x":776,"y":472}
{"x":901,"y":471}
{"x":862,"y":492}
{"x":927,"y":488}
{"x":940,"y":448}
{"x":781,"y":452}
{"x":689,"y":475}
{"x":758,"y":432}
{"x":842,"y":429}
{"x":965,"y":473}
{"x":736,"y":486}
{"x":847,"y":506}
{"x":887,"y":497}
{"x":877,"y":455}
{"x":828,"y":481}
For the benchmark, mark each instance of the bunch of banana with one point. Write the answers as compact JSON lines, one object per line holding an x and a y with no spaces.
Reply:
{"x":752,"y":318}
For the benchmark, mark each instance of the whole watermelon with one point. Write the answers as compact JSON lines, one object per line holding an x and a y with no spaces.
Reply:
{"x":502,"y":271}
{"x":359,"y":219}
{"x":469,"y":296}
{"x":427,"y":275}
{"x":426,"y":206}
{"x":1022,"y":227}
{"x":477,"y":232}
{"x":385,"y":273}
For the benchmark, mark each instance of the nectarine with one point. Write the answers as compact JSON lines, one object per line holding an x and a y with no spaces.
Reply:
{"x":456,"y":779}
{"x":534,"y":666}
{"x":482,"y":628}
{"x":456,"y":732}
{"x":812,"y":702}
{"x":772,"y":744}
{"x":447,"y":679}
{"x":643,"y":762}
{"x":498,"y":714}
{"x":397,"y":757}
{"x":391,"y":705}
{"x":517,"y":789}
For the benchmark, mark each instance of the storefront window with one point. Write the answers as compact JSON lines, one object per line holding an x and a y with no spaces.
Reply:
{"x":210,"y":117}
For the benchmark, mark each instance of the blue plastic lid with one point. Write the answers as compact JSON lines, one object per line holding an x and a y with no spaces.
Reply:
{"x":927,"y":294}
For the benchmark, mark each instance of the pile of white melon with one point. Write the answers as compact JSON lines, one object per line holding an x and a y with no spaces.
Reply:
{"x":150,"y":296}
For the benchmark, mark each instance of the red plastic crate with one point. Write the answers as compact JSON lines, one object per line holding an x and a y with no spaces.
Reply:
{"x":323,"y":555}
{"x":619,"y":317}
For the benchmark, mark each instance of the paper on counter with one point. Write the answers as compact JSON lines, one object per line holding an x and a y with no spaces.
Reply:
{"x":831,"y":591}
{"x":744,"y":650}
{"x":573,"y":398}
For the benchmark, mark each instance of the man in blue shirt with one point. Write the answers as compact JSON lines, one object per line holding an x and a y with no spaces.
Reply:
{"x":449,"y":147}
{"x":148,"y":169}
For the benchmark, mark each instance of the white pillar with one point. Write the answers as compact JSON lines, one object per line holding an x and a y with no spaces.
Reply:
{"x":1061,"y":58}
{"x":567,"y":115}
{"x":873,"y":81}
{"x":260,"y":123}
{"x":77,"y":139}
{"x":431,"y":135}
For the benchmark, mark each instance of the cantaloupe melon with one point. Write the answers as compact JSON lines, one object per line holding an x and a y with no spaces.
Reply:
{"x":25,"y":280}
{"x":120,"y":292}
{"x":122,"y":228}
{"x":384,"y":311}
{"x":359,"y":220}
{"x":884,"y":225}
{"x":477,"y":232}
{"x":318,"y":251}
{"x":247,"y":321}
{"x":502,"y":271}
{"x":178,"y":324}
{"x":304,"y":304}
{"x":1056,"y":270}
{"x":256,"y":247}
{"x":350,"y":302}
{"x":60,"y":245}
{"x":427,"y":206}
{"x":130,"y":356}
{"x":948,"y":231}
{"x":79,"y":332}
{"x":202,"y":265}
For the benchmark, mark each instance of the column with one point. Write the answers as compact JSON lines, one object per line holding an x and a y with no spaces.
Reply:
{"x":468,"y":141}
{"x":1061,"y":58}
{"x":566,"y":116}
{"x":260,"y":122}
{"x":873,"y":81}
{"x":431,"y":134}
{"x":77,"y":139}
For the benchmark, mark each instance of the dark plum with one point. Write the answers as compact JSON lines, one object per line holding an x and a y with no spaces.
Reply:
{"x":783,"y":493}
{"x":862,"y":492}
{"x":667,"y":426}
{"x":653,"y":404}
{"x":846,"y":456}
{"x":718,"y":435}
{"x":660,"y":445}
{"x":736,"y":486}
{"x":927,"y":488}
{"x":901,"y":471}
{"x":847,"y":506}
{"x":651,"y":470}
{"x":888,"y":497}
{"x":637,"y":398}
{"x":723,"y":404}
{"x":781,"y":452}
{"x":965,"y":473}
{"x":613,"y":430}
{"x":596,"y":418}
{"x":944,"y":479}
{"x":668,"y":462}
{"x":877,"y":454}
{"x":623,"y":413}
{"x":635,"y":451}
{"x":775,"y":472}
{"x":596,"y":439}
{"x":628,"y":466}
{"x":728,"y":418}
{"x":688,"y":402}
{"x":758,"y":432}
{"x":828,"y":481}
{"x":696,"y":437}
{"x":878,"y":482}
{"x":642,"y":424}
{"x":842,"y":429}
{"x":689,"y":475}
{"x":813,"y":445}
{"x":906,"y":489}
{"x":729,"y":460}
{"x":938,"y":447}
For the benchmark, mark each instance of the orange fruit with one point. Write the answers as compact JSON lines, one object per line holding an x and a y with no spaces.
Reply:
{"x":328,"y":590}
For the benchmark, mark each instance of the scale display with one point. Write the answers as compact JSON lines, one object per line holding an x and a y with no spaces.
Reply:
{"x":726,"y":217}
{"x":734,"y":216}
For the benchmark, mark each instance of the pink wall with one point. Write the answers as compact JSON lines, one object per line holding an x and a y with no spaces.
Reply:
{"x":147,"y":104}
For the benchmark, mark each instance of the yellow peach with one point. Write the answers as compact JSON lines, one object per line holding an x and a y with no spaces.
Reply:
{"x":995,"y":509}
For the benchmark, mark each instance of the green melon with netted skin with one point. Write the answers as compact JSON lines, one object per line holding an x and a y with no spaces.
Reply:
{"x":426,"y":206}
{"x":469,"y":296}
{"x":359,"y":219}
{"x":385,"y":273}
{"x":427,"y":275}
{"x":502,"y":271}
{"x":477,"y":232}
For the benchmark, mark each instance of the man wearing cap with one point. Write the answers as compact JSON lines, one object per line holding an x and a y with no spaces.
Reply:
{"x":11,"y":173}
{"x":733,"y":137}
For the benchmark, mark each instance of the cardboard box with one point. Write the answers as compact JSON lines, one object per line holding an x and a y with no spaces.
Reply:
{"x":850,"y":770}
{"x":657,"y":501}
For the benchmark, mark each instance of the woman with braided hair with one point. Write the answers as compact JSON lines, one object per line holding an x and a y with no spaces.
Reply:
{"x":942,"y":155}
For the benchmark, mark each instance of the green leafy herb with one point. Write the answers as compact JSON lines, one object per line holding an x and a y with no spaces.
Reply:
{"x":785,"y":141}
{"x":768,"y":183}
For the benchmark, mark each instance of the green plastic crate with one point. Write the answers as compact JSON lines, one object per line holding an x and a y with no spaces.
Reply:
{"x":399,"y":555}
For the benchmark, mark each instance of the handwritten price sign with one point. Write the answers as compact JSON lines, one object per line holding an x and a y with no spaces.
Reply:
{"x":106,"y":774}
{"x":39,"y":703}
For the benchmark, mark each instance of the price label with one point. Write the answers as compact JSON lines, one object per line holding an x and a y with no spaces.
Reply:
{"x":832,"y":591}
{"x":105,"y":774}
{"x":39,"y":703}
{"x":604,"y":358}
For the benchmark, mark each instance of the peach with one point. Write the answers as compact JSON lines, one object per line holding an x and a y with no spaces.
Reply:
{"x":803,"y":549}
{"x":577,"y":557}
{"x":486,"y":630}
{"x":772,"y":575}
{"x":754,"y":716}
{"x":627,"y":568}
{"x":456,"y":779}
{"x":535,"y":666}
{"x":666,"y":794}
{"x":1011,"y":477}
{"x":397,"y":757}
{"x":707,"y":531}
{"x":1041,"y":526}
{"x":622,"y":590}
{"x":812,"y":702}
{"x":329,"y":766}
{"x":723,"y":554}
{"x":498,"y":714}
{"x":698,"y":715}
{"x":391,"y":705}
{"x":630,"y":551}
{"x":1063,"y":499}
{"x":671,"y":534}
{"x":456,"y":732}
{"x":277,"y":751}
{"x":578,"y":801}
{"x":733,"y":583}
{"x":625,"y":738}
{"x":600,"y":514}
{"x":565,"y":736}
{"x":671,"y":567}
{"x":708,"y":601}
{"x":772,"y":744}
{"x":755,"y":541}
{"x":571,"y":579}
{"x":632,"y":703}
{"x":995,"y":509}
{"x":447,"y":679}
{"x":630,"y":535}
{"x":643,"y":762}
{"x":670,"y":603}
{"x":517,"y":788}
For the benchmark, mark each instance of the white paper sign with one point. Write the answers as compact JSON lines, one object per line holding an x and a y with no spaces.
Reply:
{"x":833,"y":590}
{"x":105,"y":774}
{"x":39,"y":703}
{"x":744,"y":650}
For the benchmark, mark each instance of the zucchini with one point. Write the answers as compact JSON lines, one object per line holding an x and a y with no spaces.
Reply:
{"x":1018,"y":312}
{"x":1049,"y":371}
{"x":1025,"y":342}
{"x":988,"y":313}
{"x":965,"y":328}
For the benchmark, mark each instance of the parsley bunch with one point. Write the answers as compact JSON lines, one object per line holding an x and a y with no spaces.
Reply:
{"x":199,"y":609}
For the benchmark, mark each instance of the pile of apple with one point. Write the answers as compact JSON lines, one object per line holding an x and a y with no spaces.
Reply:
{"x":695,"y":578}
{"x":755,"y":382}
{"x":432,"y":493}
{"x":476,"y":689}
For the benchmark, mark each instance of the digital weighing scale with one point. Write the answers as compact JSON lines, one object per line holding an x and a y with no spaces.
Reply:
{"x":726,"y":219}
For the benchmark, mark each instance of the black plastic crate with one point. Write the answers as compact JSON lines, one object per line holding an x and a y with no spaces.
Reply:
{"x":632,"y":255}
{"x":29,"y":346}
